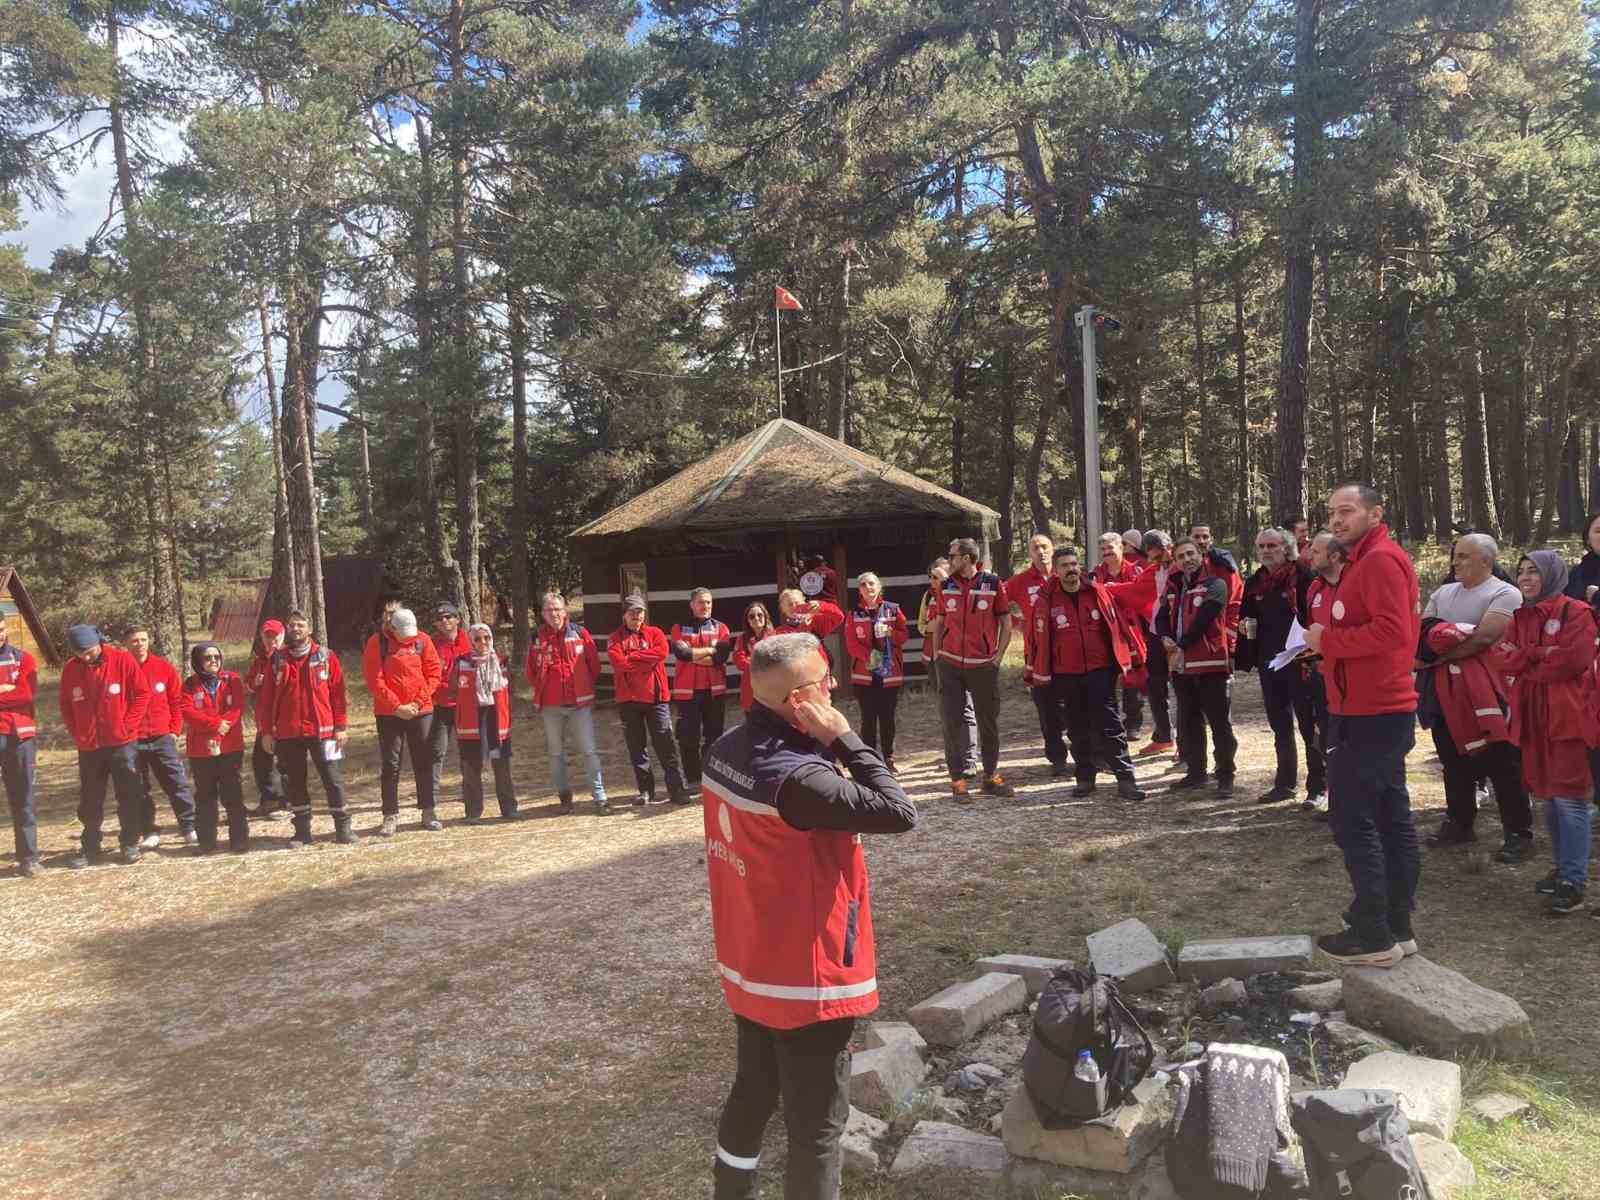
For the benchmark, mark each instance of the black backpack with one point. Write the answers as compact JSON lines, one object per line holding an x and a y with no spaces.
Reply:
{"x":1078,"y":1010}
{"x":1357,"y":1146}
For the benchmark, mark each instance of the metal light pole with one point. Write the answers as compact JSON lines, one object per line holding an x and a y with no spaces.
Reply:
{"x":1089,"y":318}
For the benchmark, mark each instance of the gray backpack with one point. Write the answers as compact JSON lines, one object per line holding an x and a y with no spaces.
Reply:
{"x":1358,"y":1146}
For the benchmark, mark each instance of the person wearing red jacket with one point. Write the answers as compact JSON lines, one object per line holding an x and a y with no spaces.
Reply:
{"x":302,"y":706}
{"x":19,"y":681}
{"x":757,"y":625}
{"x":1548,"y":656}
{"x":1117,"y":566}
{"x":700,"y":650}
{"x":156,"y":751}
{"x":1022,"y":589}
{"x":212,"y":707}
{"x":970,"y":637}
{"x":1368,"y":641}
{"x":103,"y":701}
{"x":796,"y":614}
{"x":451,"y":642}
{"x":1198,"y":626}
{"x":873,"y":637}
{"x":402,"y":673}
{"x":1082,"y":647}
{"x":563,"y":666}
{"x":482,"y":705}
{"x":264,"y":766}
{"x":638,"y":654}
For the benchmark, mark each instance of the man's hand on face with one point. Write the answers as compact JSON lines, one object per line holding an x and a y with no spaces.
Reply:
{"x":821,"y":721}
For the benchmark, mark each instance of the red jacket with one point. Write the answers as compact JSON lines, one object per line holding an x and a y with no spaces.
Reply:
{"x":16,"y":708}
{"x":253,"y":680}
{"x":742,"y":645}
{"x":1371,"y":629}
{"x":1022,"y":590}
{"x":448,"y":652}
{"x":691,"y":677}
{"x":1548,"y":654}
{"x":970,"y":614}
{"x":202,"y":712}
{"x":103,"y":702}
{"x":164,"y":714}
{"x":639,"y":665}
{"x":816,"y":617}
{"x":401,"y":671}
{"x":1076,"y":634}
{"x":562,"y":667}
{"x":1211,"y":653}
{"x":1469,"y":690}
{"x":464,"y":675}
{"x":1130,"y":571}
{"x":303,"y":697}
{"x":860,"y":644}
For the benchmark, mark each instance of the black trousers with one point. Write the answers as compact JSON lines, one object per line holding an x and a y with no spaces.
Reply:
{"x":1088,"y":707}
{"x":1206,"y":700}
{"x":646,"y":724}
{"x":269,"y":782}
{"x":17,"y":759}
{"x":1132,"y":709}
{"x":472,"y":756}
{"x":1157,"y":690}
{"x":700,"y":720}
{"x":218,"y":780}
{"x":394,"y":735}
{"x":439,"y":732}
{"x":809,"y":1069}
{"x":1498,"y":762}
{"x":1370,"y":811}
{"x":160,"y":757}
{"x":293,"y":754}
{"x":877,"y":716}
{"x":1290,"y":702}
{"x":1052,"y":726}
{"x":982,"y":686}
{"x":113,"y":764}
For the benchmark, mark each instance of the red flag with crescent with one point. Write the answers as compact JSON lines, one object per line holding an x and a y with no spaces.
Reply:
{"x":782,"y":298}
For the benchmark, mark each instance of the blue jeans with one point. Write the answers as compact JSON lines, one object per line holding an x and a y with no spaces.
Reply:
{"x":581,"y":721}
{"x":17,"y":757}
{"x":1569,"y":821}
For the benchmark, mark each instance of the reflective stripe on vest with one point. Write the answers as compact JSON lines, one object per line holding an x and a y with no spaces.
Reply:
{"x":780,"y":991}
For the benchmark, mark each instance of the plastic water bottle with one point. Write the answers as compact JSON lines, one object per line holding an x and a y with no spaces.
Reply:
{"x":1087,"y":1069}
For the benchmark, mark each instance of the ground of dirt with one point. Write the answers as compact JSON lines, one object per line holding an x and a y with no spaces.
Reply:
{"x":527,"y":1009}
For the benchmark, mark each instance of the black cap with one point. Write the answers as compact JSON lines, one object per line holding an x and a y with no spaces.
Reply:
{"x":445,"y":609}
{"x":634,"y":603}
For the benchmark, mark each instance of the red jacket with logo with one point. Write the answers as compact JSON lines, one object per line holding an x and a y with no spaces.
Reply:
{"x":970,"y":614}
{"x":1130,"y":571}
{"x":816,"y":617}
{"x":1371,"y":629}
{"x":401,"y":671}
{"x":103,"y":702}
{"x":164,"y":714}
{"x":448,"y":652}
{"x":860,"y":643}
{"x":303,"y":697}
{"x":203,"y":712}
{"x":562,"y":667}
{"x":464,"y":675}
{"x":253,"y":679}
{"x":16,"y":707}
{"x":1548,"y":655}
{"x":1470,"y":691}
{"x":742,"y":645}
{"x":1207,"y":635}
{"x":691,"y":677}
{"x":1078,"y":632}
{"x":1022,"y":591}
{"x":639,"y":665}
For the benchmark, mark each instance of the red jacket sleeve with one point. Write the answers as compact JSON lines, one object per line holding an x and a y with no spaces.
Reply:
{"x":899,"y":631}
{"x":336,"y":696}
{"x":1385,"y":593}
{"x":856,"y":645}
{"x":266,"y":694}
{"x":174,"y":688}
{"x":1572,"y":654}
{"x":614,"y":651}
{"x":432,"y":668}
{"x":653,"y":652}
{"x":138,"y":693}
{"x":590,"y":652}
{"x":21,"y":700}
{"x":826,"y":619}
{"x":372,"y":669}
{"x":233,"y":714}
{"x":62,"y":693}
{"x":196,"y":718}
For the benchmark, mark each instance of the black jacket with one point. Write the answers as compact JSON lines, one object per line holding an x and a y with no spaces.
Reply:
{"x":1272,"y":614}
{"x":1584,"y":576}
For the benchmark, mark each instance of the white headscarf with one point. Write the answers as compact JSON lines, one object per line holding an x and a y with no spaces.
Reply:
{"x":491,"y":678}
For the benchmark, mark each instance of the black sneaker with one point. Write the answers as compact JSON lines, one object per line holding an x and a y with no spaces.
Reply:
{"x":680,"y":798}
{"x":29,"y":867}
{"x":1547,"y":885}
{"x":643,"y":798}
{"x":1225,"y":788}
{"x":81,"y":860}
{"x":1568,"y":898}
{"x":1404,"y":938}
{"x":1059,"y":770}
{"x":1084,"y":788}
{"x":1451,"y":834}
{"x":1348,"y":948}
{"x":566,"y":802}
{"x":1516,"y":849}
{"x":1127,"y":789}
{"x":130,"y":854}
{"x":1189,"y":783}
{"x":1275,"y":795}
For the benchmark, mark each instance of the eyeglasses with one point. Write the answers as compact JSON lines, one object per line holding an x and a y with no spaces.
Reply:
{"x":825,"y":683}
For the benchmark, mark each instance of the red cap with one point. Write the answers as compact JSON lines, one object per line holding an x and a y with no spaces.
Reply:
{"x":271,"y":628}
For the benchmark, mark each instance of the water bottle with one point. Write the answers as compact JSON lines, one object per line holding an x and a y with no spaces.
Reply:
{"x":1087,"y":1069}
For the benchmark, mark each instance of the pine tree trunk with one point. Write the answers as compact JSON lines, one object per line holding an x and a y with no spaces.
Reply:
{"x":1005,"y":495}
{"x":1207,"y":497}
{"x":521,"y":616}
{"x":1558,"y":401}
{"x":1477,"y":498}
{"x":1135,"y":449}
{"x":282,"y":592}
{"x":465,"y":367}
{"x":1339,"y":469}
{"x":1242,"y":514}
{"x":1514,"y":442}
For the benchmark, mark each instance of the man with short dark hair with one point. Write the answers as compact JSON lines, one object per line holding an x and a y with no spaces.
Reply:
{"x":1300,"y":529}
{"x":1022,"y":590}
{"x":103,"y":700}
{"x":970,"y":637}
{"x":19,"y":681}
{"x":156,"y":751}
{"x":1198,"y":625}
{"x":701,"y":648}
{"x":451,"y":643}
{"x":264,"y":766}
{"x":1115,"y":566}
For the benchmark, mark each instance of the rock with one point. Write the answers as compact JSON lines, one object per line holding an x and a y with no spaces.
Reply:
{"x":862,"y":1133}
{"x":1129,"y":952}
{"x":1032,"y":1179}
{"x":1448,"y":1171}
{"x":1298,"y":977}
{"x":1152,"y":1181}
{"x":1035,"y":971}
{"x":1498,"y":1106}
{"x":944,"y":1108}
{"x":1429,"y":1088}
{"x":881,"y":1033}
{"x":975,"y":1077}
{"x":1235,"y":1025}
{"x":1189,"y":1051}
{"x":1151,"y":1016}
{"x":1227,"y":994}
{"x":1424,"y":1004}
{"x":1209,"y":961}
{"x":1117,"y":1142}
{"x":952,"y":1016}
{"x":1346,"y":1036}
{"x":882,"y":1078}
{"x":1316,"y":997}
{"x":937,"y":1144}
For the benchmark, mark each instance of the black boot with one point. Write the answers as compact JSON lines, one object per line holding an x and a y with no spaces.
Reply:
{"x":302,"y":831}
{"x":343,"y":834}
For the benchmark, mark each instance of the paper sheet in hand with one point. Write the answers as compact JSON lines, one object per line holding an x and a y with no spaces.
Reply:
{"x":1292,"y":648}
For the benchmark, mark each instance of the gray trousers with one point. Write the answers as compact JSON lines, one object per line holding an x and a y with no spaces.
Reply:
{"x":982,"y":686}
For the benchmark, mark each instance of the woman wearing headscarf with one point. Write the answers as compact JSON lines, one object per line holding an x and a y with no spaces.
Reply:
{"x":1548,"y":655}
{"x":212,"y":707}
{"x":483,"y":724}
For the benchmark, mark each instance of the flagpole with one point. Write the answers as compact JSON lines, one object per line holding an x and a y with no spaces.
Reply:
{"x":777,"y":322}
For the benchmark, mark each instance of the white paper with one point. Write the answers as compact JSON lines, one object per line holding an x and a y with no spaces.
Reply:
{"x":331,"y":751}
{"x":1292,"y":648}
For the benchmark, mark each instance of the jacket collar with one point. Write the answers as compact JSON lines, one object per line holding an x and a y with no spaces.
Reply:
{"x":1375,"y":536}
{"x":771,"y":724}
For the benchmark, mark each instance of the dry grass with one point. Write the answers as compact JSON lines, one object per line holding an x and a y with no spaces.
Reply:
{"x":525,"y":1010}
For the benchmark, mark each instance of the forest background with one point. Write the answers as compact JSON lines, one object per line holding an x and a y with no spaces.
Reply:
{"x":440,"y":280}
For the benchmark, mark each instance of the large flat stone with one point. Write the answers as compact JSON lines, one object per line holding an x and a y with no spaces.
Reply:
{"x":881,"y":1079}
{"x":1117,"y":1142}
{"x":1498,"y":1106}
{"x":863,"y":1133}
{"x":1429,"y":1088}
{"x":1033,"y":1179}
{"x":1219,"y":958}
{"x":951,"y":1147}
{"x":1129,"y":952}
{"x":1352,"y":1037}
{"x":881,"y":1033}
{"x":1448,"y":1171}
{"x":955,"y":1014}
{"x":1316,"y":997}
{"x":1035,"y":971}
{"x":1423,"y":1004}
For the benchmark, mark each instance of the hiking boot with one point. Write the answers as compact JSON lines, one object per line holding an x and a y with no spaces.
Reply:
{"x":1084,"y":788}
{"x":644,"y":798}
{"x":29,"y":867}
{"x":1277,"y":794}
{"x":387,"y":828}
{"x":1451,"y":833}
{"x":472,"y":821}
{"x":150,"y":841}
{"x":680,"y":798}
{"x":343,"y":835}
{"x":1059,"y":770}
{"x":81,"y":860}
{"x":1127,"y":789}
{"x":961,"y":791}
{"x":996,"y":785}
{"x":1568,"y":898}
{"x":1516,"y":849}
{"x":1348,"y":947}
{"x":302,"y":830}
{"x":431,"y":822}
{"x":1225,"y":788}
{"x":1151,"y":748}
{"x":566,"y":802}
{"x":191,"y":838}
{"x":1189,"y":783}
{"x":1547,"y":885}
{"x":130,"y":854}
{"x":602,"y":806}
{"x":1315,"y":798}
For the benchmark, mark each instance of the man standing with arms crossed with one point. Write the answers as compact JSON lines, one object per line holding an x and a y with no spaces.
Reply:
{"x":1368,"y":640}
{"x":103,"y":701}
{"x":156,"y":751}
{"x":970,"y":636}
{"x":1022,"y":591}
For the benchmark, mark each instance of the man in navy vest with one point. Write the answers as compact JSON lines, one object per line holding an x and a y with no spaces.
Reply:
{"x":782,"y":822}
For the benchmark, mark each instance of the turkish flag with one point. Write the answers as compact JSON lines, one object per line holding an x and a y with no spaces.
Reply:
{"x":784,"y":299}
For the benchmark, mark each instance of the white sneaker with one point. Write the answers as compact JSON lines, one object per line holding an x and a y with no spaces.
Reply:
{"x":150,"y":841}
